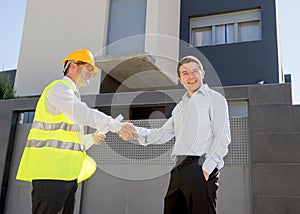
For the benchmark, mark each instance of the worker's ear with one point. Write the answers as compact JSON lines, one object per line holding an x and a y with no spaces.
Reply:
{"x":72,"y":65}
{"x":71,"y":69}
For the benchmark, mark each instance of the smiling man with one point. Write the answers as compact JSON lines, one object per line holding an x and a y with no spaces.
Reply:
{"x":54,"y":158}
{"x":200,"y":124}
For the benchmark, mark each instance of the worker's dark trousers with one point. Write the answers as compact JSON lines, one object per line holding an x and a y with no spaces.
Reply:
{"x":51,"y":196}
{"x":189,"y":192}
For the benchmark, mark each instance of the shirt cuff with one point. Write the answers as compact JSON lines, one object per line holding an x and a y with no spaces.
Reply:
{"x":142,"y":135}
{"x":209,"y":165}
{"x":142,"y":140}
{"x":114,"y":125}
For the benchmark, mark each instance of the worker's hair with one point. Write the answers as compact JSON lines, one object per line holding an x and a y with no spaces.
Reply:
{"x":188,"y":59}
{"x":66,"y":67}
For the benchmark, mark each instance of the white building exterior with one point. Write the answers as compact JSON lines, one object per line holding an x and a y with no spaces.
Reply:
{"x":53,"y":29}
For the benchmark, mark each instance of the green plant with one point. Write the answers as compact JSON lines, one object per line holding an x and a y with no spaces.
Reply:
{"x":7,"y":90}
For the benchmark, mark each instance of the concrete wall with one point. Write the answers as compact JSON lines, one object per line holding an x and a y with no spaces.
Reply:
{"x":273,"y":148}
{"x":134,"y":179}
{"x":112,"y":193}
{"x":9,"y":119}
{"x":275,"y":145}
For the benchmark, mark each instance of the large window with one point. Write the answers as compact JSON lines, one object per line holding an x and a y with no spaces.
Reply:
{"x":226,"y":28}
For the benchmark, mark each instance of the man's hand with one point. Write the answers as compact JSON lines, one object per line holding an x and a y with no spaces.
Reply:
{"x":98,"y":137}
{"x":206,"y":175}
{"x":127,"y":132}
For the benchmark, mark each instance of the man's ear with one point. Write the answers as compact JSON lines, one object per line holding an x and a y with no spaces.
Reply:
{"x":179,"y":79}
{"x":71,"y":69}
{"x":72,"y":65}
{"x":203,"y":74}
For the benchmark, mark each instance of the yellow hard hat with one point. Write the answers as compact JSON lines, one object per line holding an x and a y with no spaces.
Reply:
{"x":81,"y":55}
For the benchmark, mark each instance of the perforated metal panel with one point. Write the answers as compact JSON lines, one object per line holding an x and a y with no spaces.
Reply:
{"x":238,"y":148}
{"x":116,"y":151}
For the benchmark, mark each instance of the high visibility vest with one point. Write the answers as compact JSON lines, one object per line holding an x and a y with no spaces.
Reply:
{"x":54,"y":148}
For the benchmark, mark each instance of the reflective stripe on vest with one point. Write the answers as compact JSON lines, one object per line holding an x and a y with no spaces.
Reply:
{"x":61,"y":135}
{"x":54,"y":144}
{"x":56,"y":126}
{"x":59,"y":132}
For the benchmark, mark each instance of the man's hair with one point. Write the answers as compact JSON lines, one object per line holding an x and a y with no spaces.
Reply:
{"x":188,"y":59}
{"x":66,"y":67}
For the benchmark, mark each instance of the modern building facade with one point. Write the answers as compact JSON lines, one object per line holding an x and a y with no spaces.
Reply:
{"x":239,"y":38}
{"x":137,"y":44}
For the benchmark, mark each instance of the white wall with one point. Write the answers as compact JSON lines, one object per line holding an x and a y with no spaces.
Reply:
{"x":52,"y":29}
{"x":162,"y":30}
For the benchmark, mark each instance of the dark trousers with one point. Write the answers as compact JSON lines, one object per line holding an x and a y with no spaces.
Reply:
{"x":189,"y":192}
{"x":52,"y":196}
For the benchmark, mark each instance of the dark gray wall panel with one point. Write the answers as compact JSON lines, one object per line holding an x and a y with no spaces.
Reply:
{"x":276,"y":179}
{"x":276,"y":205}
{"x":276,"y":148}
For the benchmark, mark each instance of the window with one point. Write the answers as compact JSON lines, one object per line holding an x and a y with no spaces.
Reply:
{"x":226,"y":28}
{"x":157,"y":112}
{"x":26,"y":117}
{"x":127,"y":18}
{"x":202,"y":36}
{"x":224,"y":34}
{"x":248,"y":31}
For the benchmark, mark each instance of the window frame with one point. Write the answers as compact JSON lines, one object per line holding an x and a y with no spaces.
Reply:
{"x":234,"y":18}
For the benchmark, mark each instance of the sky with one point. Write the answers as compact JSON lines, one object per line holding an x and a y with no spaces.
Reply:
{"x":12,"y":14}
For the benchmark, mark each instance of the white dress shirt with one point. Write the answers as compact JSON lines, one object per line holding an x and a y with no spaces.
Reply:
{"x":62,"y":99}
{"x":200,"y":124}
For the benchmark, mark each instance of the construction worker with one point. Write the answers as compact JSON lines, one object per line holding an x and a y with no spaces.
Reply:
{"x":54,"y":158}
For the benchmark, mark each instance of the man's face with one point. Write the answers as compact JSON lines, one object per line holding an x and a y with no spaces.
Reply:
{"x":191,"y":77}
{"x":86,"y":72}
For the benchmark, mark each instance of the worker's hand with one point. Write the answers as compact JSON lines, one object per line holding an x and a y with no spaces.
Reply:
{"x":127,"y":132}
{"x":206,"y":175}
{"x":98,"y":137}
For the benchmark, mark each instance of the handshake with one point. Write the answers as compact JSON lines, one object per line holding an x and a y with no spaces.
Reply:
{"x":126,"y":133}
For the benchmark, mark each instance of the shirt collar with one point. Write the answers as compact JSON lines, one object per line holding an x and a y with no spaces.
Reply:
{"x":71,"y":82}
{"x":203,"y":89}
